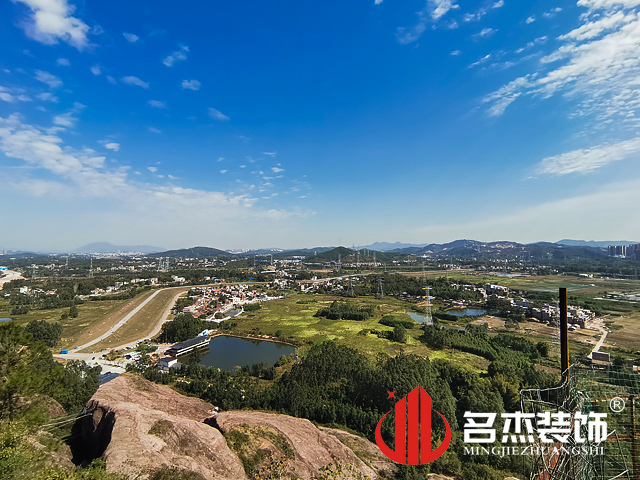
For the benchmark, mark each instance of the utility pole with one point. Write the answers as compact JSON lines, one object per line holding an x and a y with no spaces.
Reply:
{"x":350,"y":292}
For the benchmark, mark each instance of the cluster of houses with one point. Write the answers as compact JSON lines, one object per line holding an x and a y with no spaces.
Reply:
{"x":216,"y":303}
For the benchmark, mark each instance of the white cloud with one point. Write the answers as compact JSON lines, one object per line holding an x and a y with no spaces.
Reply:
{"x":486,"y":32}
{"x":157,"y":104}
{"x":13,"y":95}
{"x":482,"y":60}
{"x":134,"y":81}
{"x":593,"y":29}
{"x":440,"y":7}
{"x":152,"y":169}
{"x":597,"y":70}
{"x":598,"y":4}
{"x":455,"y":53}
{"x":217,"y":115}
{"x":52,"y":20}
{"x":190,"y":85}
{"x":63,"y":62}
{"x":377,"y":2}
{"x":171,"y":177}
{"x":112,"y":146}
{"x":453,"y":25}
{"x":277,"y":170}
{"x":405,"y":36}
{"x":529,"y":20}
{"x":176,"y":56}
{"x":220,"y":159}
{"x":111,"y":80}
{"x":272,"y":154}
{"x":498,"y":4}
{"x":154,"y":130}
{"x":589,"y":159}
{"x":130,"y":37}
{"x":47,"y":97}
{"x":65,"y":120}
{"x":96,"y":70}
{"x":48,"y":78}
{"x":224,"y":171}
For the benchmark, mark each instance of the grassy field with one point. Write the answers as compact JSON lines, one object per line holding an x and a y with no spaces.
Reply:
{"x":90,"y":317}
{"x":143,"y":322}
{"x":96,"y":317}
{"x":551,"y":283}
{"x":297,"y":321}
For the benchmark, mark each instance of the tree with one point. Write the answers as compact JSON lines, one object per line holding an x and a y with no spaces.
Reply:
{"x":42,"y":331}
{"x":399,"y":334}
{"x":77,"y":386}
{"x":73,"y":311}
{"x":181,"y":328}
{"x":26,"y":368}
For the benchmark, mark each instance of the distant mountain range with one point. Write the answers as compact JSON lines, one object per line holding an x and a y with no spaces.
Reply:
{"x":105,"y":247}
{"x":563,"y":249}
{"x":592,"y":243}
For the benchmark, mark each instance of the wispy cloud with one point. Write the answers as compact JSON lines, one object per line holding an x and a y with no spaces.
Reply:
{"x":52,"y":20}
{"x":438,"y":8}
{"x":272,"y":154}
{"x":154,"y":130}
{"x":152,"y":169}
{"x":176,"y":56}
{"x":217,"y":115}
{"x":130,"y":37}
{"x":63,"y":62}
{"x":48,"y":78}
{"x":589,"y":159}
{"x":530,"y":19}
{"x":96,"y":70}
{"x":277,"y":170}
{"x":486,"y":32}
{"x":47,"y":97}
{"x":190,"y":85}
{"x":130,"y":80}
{"x":498,"y":4}
{"x":157,"y":104}
{"x":111,"y":145}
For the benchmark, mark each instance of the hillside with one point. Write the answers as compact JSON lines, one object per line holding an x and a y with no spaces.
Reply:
{"x":139,"y":426}
{"x":194,"y":252}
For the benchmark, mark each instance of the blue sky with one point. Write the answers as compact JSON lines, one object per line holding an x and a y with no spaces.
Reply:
{"x":296,"y":124}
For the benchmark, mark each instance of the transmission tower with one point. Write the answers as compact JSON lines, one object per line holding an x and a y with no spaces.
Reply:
{"x":350,"y":292}
{"x":339,"y":263}
{"x":427,"y":314}
{"x":380,"y":292}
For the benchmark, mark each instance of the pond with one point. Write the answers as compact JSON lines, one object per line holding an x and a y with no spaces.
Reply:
{"x":471,"y":312}
{"x":227,"y":353}
{"x":4,"y":320}
{"x":420,"y":318}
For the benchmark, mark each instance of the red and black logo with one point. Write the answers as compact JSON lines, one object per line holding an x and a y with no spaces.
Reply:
{"x":413,"y":430}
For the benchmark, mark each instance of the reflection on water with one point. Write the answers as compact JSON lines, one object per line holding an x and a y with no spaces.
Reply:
{"x":420,"y":318}
{"x":471,"y":312}
{"x":228,"y":353}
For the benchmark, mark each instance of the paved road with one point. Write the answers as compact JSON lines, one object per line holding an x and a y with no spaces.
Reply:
{"x":604,"y":332}
{"x":117,"y":325}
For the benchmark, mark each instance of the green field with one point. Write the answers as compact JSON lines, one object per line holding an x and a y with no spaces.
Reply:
{"x":297,"y":321}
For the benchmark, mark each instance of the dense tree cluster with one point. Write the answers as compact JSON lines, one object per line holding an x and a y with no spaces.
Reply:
{"x":42,"y":331}
{"x":346,"y":311}
{"x":183,"y":327}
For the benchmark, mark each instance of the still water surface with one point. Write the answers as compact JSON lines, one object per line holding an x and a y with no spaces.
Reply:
{"x":227,"y":353}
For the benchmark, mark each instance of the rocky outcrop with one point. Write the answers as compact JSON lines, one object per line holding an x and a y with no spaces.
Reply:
{"x":144,"y":426}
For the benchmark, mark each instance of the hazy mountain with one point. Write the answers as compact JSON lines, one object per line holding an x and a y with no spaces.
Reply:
{"x":194,"y":252}
{"x":386,"y":246}
{"x":592,"y":243}
{"x":105,"y":247}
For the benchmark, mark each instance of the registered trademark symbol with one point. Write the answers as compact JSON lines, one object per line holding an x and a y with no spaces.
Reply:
{"x":616,"y":404}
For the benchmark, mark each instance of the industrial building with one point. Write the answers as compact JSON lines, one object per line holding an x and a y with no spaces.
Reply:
{"x":187,"y":346}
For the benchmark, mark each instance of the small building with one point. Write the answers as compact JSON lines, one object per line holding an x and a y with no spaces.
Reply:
{"x":165,"y":363}
{"x":188,"y":346}
{"x":601,"y":357}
